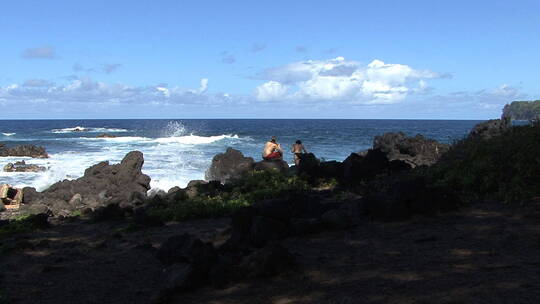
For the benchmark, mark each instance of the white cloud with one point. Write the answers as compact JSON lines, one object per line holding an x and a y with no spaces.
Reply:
{"x":204,"y":85}
{"x":343,"y":80}
{"x":271,"y":90}
{"x":86,"y":90}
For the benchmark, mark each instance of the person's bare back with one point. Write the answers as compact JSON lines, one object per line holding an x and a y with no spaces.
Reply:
{"x":272,"y":150}
{"x":298,"y":149}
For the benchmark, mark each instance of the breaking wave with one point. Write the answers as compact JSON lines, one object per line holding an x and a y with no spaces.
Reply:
{"x":186,"y":140}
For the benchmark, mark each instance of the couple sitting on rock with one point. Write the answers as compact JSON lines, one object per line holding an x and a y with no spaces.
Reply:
{"x":272,"y":150}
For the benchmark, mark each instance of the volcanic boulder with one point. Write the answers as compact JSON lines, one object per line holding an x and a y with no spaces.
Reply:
{"x":101,"y":185}
{"x":269,"y":165}
{"x":24,"y":150}
{"x":416,"y":151}
{"x":21,"y":166}
{"x":229,"y":166}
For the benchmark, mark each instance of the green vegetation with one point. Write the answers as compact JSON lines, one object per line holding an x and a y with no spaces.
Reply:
{"x":76,"y":213}
{"x":22,"y":224}
{"x":212,"y":202}
{"x":500,"y":168}
{"x":522,"y":110}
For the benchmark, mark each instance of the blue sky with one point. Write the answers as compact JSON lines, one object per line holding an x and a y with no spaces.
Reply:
{"x":254,"y":59}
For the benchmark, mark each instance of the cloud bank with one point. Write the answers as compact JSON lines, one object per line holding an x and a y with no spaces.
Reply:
{"x":340,"y":80}
{"x":86,"y":90}
{"x":312,"y":88}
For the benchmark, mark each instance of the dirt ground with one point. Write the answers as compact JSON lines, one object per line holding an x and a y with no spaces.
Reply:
{"x":489,"y":253}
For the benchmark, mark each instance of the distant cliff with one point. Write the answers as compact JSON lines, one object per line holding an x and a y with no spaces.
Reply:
{"x":522,"y":110}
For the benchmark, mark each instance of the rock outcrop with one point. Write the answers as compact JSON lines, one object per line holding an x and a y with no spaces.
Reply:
{"x":105,"y":135}
{"x":22,"y":166}
{"x":311,"y":166}
{"x":24,"y":150}
{"x":489,"y":129}
{"x":416,"y":151}
{"x":276,"y":164}
{"x":102,"y":185}
{"x":229,"y":166}
{"x":365,"y":166}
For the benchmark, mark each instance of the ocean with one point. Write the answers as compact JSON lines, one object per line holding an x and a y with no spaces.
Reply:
{"x":179,"y":150}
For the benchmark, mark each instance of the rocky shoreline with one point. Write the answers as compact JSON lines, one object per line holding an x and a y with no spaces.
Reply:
{"x":267,"y":202}
{"x":23,"y":150}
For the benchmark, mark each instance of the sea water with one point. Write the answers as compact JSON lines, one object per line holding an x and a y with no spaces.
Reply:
{"x":177,"y":151}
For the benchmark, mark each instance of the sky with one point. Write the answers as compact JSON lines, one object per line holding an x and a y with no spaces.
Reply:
{"x":267,"y":59}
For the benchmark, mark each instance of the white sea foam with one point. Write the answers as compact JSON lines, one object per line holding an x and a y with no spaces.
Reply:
{"x":175,"y":158}
{"x":194,"y":139}
{"x":120,"y":139}
{"x":89,"y":130}
{"x":186,"y":140}
{"x":8,"y":134}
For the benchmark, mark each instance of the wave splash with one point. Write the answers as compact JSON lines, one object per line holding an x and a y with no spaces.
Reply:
{"x":175,"y":129}
{"x":8,"y":134}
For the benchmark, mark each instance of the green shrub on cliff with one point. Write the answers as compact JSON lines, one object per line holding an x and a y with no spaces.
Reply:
{"x":505,"y":167}
{"x":522,"y":110}
{"x":256,"y":186}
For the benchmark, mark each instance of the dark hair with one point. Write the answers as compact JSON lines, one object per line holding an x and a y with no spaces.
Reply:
{"x":299,"y":142}
{"x":273,"y":139}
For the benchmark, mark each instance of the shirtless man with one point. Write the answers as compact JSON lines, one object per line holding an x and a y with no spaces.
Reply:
{"x":272,"y":150}
{"x":297,"y":149}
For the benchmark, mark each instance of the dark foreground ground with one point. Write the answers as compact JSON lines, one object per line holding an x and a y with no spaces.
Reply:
{"x":489,"y":253}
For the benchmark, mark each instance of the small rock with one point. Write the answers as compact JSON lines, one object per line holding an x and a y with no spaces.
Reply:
{"x":76,"y":200}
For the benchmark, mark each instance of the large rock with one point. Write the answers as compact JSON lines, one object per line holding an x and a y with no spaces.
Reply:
{"x":310,"y":165}
{"x":358,"y":167}
{"x":490,"y":128}
{"x":269,"y":165}
{"x":101,"y":185}
{"x":21,"y":166}
{"x":24,"y":150}
{"x":229,"y":166}
{"x":416,"y":151}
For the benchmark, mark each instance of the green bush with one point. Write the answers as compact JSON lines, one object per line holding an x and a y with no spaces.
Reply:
{"x":256,"y":186}
{"x":504,"y":168}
